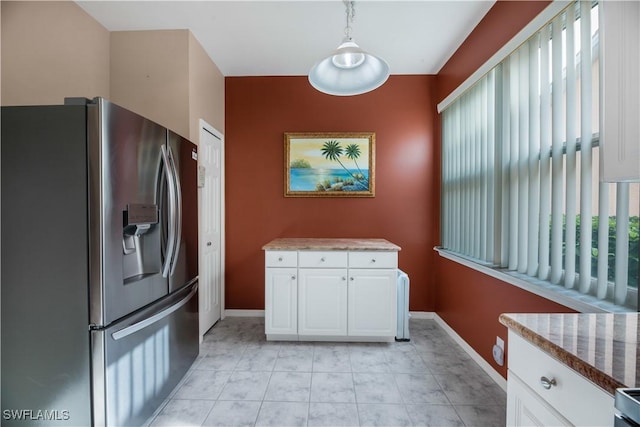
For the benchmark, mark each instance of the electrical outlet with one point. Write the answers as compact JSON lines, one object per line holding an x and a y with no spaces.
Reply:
{"x":498,"y":351}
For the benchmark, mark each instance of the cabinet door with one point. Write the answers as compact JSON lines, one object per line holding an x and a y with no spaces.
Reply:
{"x":525,"y":408}
{"x":281,"y":301}
{"x":372,"y":302}
{"x":322,"y":301}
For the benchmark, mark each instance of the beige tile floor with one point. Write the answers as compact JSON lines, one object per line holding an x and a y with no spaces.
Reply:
{"x":240,"y":379}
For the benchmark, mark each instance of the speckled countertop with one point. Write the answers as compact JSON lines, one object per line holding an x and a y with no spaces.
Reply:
{"x":603,"y":347}
{"x":322,"y":244}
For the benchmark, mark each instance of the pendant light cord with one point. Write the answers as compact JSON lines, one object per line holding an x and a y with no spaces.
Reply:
{"x":350,"y":15}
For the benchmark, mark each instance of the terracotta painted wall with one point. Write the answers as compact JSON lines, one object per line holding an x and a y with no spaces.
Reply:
{"x":470,"y":302}
{"x":258,"y":112}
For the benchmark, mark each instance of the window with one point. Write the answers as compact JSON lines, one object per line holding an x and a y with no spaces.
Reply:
{"x":520,"y":161}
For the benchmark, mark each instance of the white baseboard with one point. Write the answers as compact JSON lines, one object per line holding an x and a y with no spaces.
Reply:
{"x":422,"y":314}
{"x":243,"y":313}
{"x":495,"y":376}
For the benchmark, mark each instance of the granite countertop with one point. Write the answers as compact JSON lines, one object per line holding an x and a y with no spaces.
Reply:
{"x":304,"y":243}
{"x":603,"y":347}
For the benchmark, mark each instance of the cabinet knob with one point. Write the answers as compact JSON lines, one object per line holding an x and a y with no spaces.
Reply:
{"x":293,"y":277}
{"x":344,"y":278}
{"x":547,"y":383}
{"x":279,"y":258}
{"x":322,"y":259}
{"x":208,"y":243}
{"x":373,"y":260}
{"x":352,"y":279}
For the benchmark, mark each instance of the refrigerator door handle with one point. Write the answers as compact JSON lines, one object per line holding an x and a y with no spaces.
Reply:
{"x":125,"y":332}
{"x":178,"y":212}
{"x":172,"y":213}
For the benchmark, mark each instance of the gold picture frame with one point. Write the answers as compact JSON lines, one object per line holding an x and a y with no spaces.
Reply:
{"x":329,"y":164}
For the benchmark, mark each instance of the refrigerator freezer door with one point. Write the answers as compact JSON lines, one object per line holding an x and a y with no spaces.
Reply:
{"x":184,"y":268}
{"x":45,"y":343}
{"x":138,"y":361}
{"x":125,"y":168}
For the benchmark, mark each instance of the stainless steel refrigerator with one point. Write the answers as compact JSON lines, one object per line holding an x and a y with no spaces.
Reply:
{"x":99,"y":263}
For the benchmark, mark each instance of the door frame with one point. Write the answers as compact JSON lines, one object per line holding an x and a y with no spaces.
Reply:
{"x":206,"y":127}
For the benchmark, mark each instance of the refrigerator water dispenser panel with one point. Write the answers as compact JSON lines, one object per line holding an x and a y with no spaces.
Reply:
{"x":139,"y":221}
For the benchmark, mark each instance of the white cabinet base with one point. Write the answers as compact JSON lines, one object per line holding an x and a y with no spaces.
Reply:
{"x":349,"y":338}
{"x":282,"y":337}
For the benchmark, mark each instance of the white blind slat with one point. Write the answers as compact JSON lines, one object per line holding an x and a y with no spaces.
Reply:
{"x":483,"y":152}
{"x":514,"y":158}
{"x":557,"y":143}
{"x":491,"y":169}
{"x":572,"y":105}
{"x":586,"y":131}
{"x":534,"y":156}
{"x":545,"y":153}
{"x":523,"y":160}
{"x":504,"y":166}
{"x":622,"y":242}
{"x":603,"y":241}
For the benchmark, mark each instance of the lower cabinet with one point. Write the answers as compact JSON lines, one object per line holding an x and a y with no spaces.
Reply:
{"x":281,"y":301}
{"x":328,"y":295}
{"x":526,"y":408}
{"x":322,"y":301}
{"x":542,"y":391}
{"x":372,"y":302}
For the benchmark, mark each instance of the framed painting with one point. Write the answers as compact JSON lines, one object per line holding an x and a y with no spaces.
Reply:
{"x":329,"y":164}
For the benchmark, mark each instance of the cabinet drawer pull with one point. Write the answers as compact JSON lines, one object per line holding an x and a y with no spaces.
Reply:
{"x":547,"y":383}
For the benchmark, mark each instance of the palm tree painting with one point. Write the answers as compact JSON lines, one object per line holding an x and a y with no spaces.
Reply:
{"x":329,"y":164}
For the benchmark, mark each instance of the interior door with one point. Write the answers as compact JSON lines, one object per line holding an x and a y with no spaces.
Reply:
{"x":211,"y":157}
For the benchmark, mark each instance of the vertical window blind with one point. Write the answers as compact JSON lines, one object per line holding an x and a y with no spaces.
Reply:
{"x":520,"y":169}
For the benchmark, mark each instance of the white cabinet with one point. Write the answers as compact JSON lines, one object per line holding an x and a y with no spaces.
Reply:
{"x":281,"y":301}
{"x":543,"y":391}
{"x":322,"y":301}
{"x":525,"y":408}
{"x":372,"y":302}
{"x":281,"y":294}
{"x":337,"y":295}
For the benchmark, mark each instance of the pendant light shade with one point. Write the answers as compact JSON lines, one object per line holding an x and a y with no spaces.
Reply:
{"x":349,"y":70}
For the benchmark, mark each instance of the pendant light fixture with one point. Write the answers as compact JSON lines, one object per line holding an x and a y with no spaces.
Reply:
{"x":349,"y":70}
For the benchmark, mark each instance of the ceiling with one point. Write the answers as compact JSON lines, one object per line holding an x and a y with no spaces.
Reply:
{"x":280,"y":38}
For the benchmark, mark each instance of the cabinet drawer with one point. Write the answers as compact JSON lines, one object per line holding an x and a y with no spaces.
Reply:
{"x":281,"y":258}
{"x":322,"y":259}
{"x":576,"y":398}
{"x":373,"y":259}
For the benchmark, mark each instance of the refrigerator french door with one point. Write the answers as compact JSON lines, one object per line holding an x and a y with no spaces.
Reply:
{"x":99,"y":264}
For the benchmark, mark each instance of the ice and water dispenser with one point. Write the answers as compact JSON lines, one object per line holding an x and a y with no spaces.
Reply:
{"x":140,"y":242}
